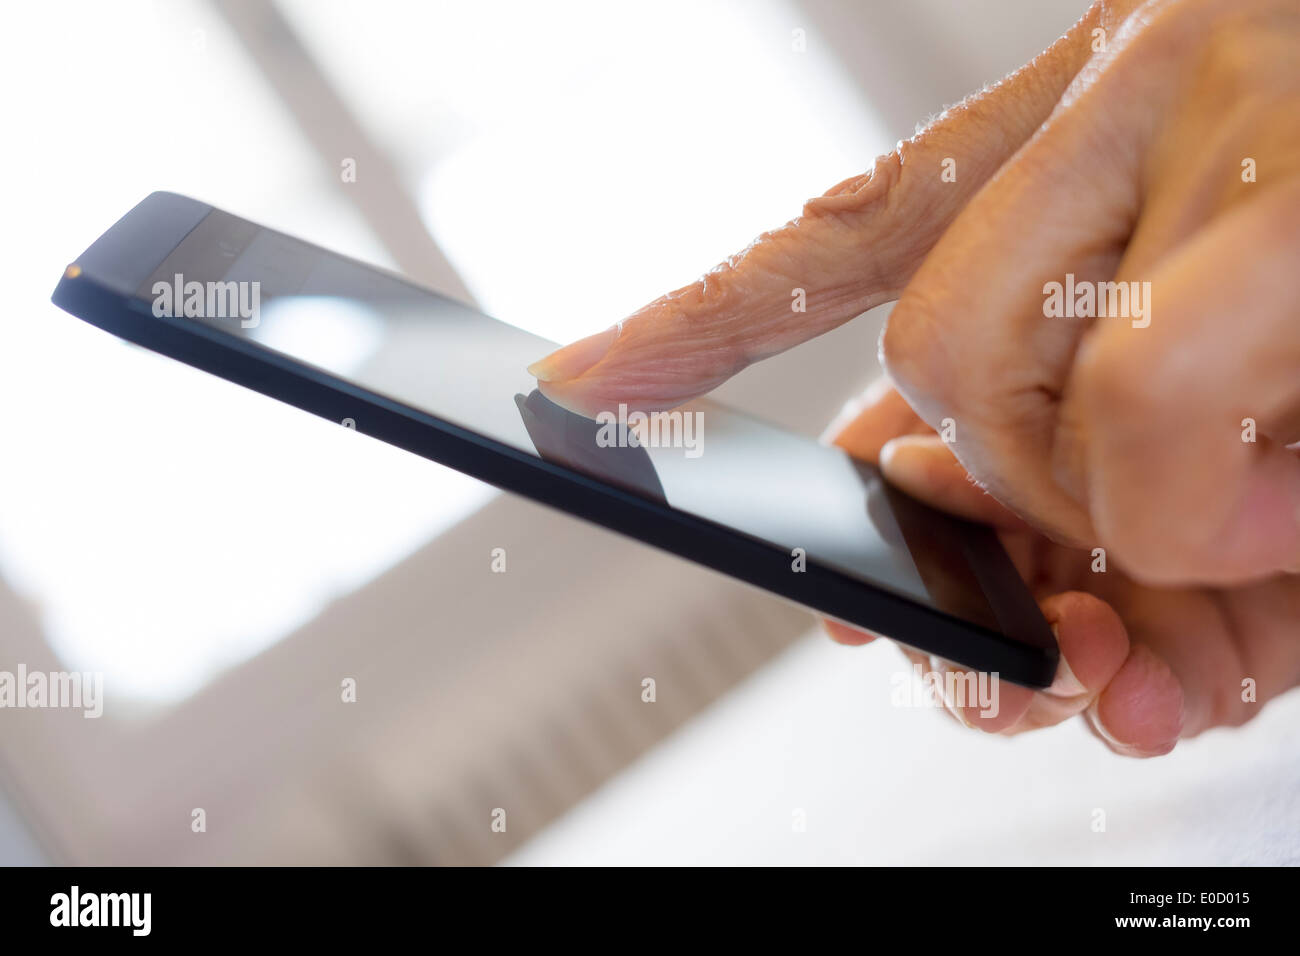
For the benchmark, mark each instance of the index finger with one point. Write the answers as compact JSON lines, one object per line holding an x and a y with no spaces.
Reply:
{"x":851,"y":249}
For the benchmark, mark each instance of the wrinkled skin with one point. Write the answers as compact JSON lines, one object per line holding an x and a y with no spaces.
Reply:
{"x":1117,"y":154}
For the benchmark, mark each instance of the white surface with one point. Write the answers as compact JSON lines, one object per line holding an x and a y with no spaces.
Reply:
{"x":878,"y":784}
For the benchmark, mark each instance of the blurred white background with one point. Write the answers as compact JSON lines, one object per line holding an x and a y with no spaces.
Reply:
{"x":225,"y":560}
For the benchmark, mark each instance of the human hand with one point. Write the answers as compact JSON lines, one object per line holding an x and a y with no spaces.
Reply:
{"x":1115,"y":155}
{"x":1126,"y":432}
{"x":1145,"y":666}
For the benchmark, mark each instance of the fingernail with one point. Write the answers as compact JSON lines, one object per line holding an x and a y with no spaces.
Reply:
{"x":572,"y":360}
{"x":1065,"y":684}
{"x":940,"y":667}
{"x":907,"y":464}
{"x":1146,"y":698}
{"x":887,"y":461}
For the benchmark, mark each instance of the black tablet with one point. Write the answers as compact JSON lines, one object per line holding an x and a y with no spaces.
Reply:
{"x":377,"y":353}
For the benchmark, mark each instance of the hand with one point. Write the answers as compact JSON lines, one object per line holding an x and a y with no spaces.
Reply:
{"x":1144,"y":665}
{"x":1121,"y":153}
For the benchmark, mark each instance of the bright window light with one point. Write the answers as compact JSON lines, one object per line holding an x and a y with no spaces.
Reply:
{"x":577,"y":159}
{"x":163,"y":523}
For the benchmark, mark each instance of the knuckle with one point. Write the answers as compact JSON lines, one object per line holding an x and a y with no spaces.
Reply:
{"x":913,"y":347}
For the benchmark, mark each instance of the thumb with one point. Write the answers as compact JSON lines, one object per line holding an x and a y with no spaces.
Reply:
{"x":852,"y":249}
